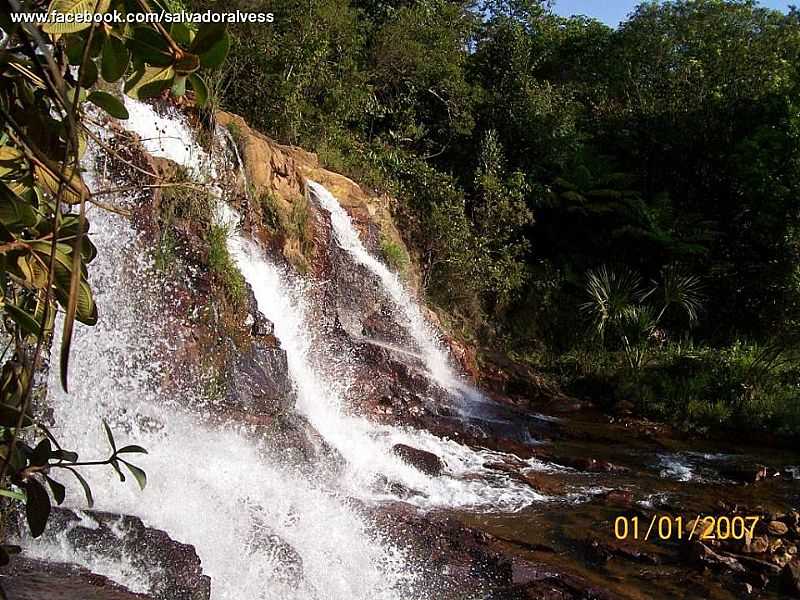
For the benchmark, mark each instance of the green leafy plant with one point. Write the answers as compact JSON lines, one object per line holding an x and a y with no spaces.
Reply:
{"x":626,"y":313}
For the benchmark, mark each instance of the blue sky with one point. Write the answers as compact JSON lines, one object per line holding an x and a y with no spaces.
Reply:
{"x":614,"y":11}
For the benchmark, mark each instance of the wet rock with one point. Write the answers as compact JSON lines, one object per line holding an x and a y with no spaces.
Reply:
{"x":540,"y":582}
{"x":427,"y":462}
{"x":549,"y":485}
{"x":705,"y":556}
{"x":790,"y":579}
{"x":287,"y":564}
{"x":602,"y":552}
{"x":30,"y":579}
{"x":777,"y":528}
{"x":465,"y":356}
{"x":259,"y":382}
{"x":745,"y":473}
{"x":590,"y":465}
{"x":173,"y":568}
{"x":397,"y":489}
{"x":622,"y":498}
{"x":459,"y":560}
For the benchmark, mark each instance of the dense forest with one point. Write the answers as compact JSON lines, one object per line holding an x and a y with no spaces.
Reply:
{"x":618,"y":207}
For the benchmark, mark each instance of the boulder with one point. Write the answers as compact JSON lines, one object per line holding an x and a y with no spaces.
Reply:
{"x":174,"y":568}
{"x":427,"y":462}
{"x":790,"y":579}
{"x":30,"y":579}
{"x":777,"y":528}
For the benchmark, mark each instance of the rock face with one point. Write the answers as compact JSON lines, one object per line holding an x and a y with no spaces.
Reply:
{"x":173,"y":568}
{"x":258,"y":380}
{"x":30,"y":579}
{"x":279,"y":173}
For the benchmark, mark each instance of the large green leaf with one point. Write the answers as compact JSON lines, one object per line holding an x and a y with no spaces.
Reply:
{"x":37,"y":507}
{"x":15,"y":213}
{"x":132,"y":449}
{"x":181,"y":33}
{"x":138,"y":474}
{"x":116,"y":58}
{"x":108,"y":103}
{"x":15,"y":173}
{"x":89,"y":74}
{"x":110,"y":436}
{"x":149,"y":46}
{"x":200,"y":89}
{"x":73,"y":189}
{"x":59,"y":491}
{"x":86,"y":310}
{"x":87,"y":490}
{"x":211,"y":43}
{"x":149,"y":82}
{"x":26,"y":322}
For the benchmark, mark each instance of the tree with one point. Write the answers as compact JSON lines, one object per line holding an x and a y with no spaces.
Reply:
{"x":500,"y":215}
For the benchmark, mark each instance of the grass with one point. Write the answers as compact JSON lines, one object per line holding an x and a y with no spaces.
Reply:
{"x":222,"y":266}
{"x":298,"y":225}
{"x":269,"y":211}
{"x":743,"y":387}
{"x":395,"y":255}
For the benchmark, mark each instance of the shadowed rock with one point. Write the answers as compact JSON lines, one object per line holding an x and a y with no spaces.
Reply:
{"x":427,"y":462}
{"x":30,"y":579}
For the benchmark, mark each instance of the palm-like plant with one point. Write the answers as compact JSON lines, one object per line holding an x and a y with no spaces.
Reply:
{"x":680,"y":290}
{"x":619,"y":304}
{"x":611,"y":294}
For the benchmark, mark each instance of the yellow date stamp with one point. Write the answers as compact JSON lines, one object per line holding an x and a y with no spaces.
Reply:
{"x":671,"y":527}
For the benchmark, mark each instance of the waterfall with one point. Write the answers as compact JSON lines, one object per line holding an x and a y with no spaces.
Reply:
{"x":212,"y":487}
{"x":367,"y":446}
{"x":216,"y":486}
{"x":424,"y":335}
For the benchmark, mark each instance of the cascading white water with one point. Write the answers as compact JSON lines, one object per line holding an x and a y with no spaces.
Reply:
{"x":212,"y":487}
{"x":424,"y":335}
{"x":367,"y":446}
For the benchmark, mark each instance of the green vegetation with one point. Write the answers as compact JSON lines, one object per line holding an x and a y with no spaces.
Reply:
{"x":222,"y":266}
{"x":394,"y":255}
{"x":298,"y":226}
{"x":47,"y":74}
{"x":269,"y":210}
{"x":528,"y":150}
